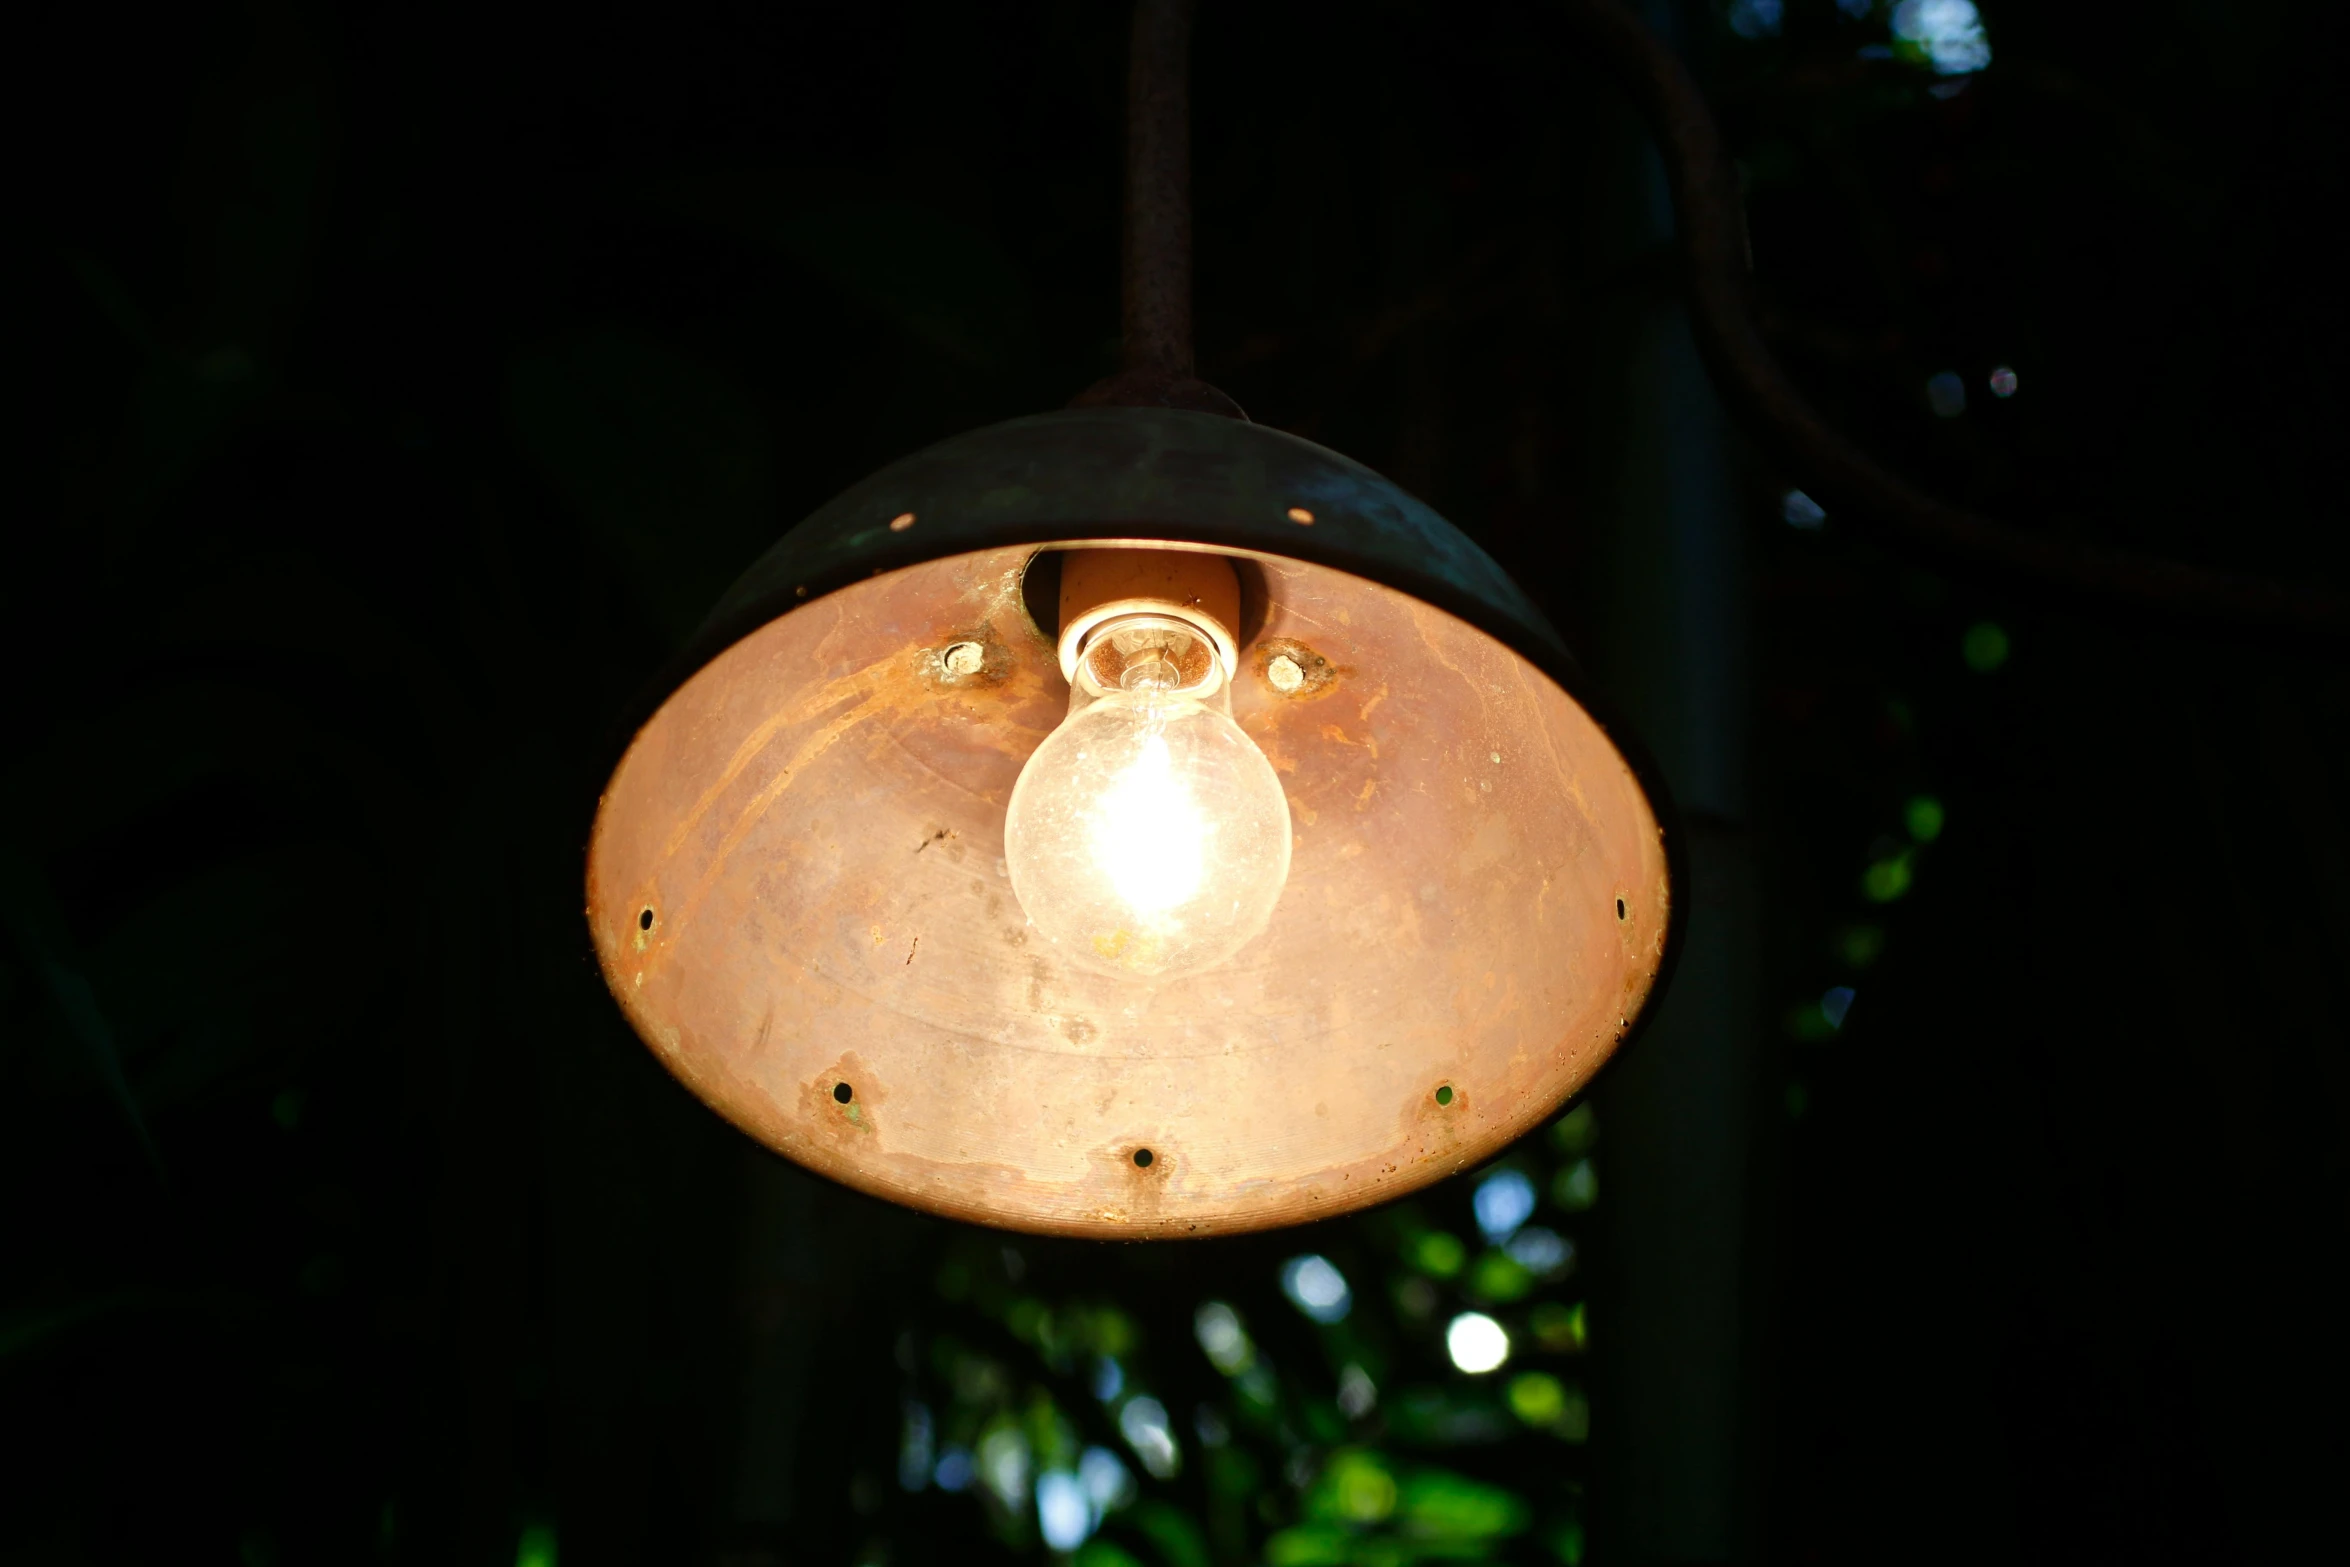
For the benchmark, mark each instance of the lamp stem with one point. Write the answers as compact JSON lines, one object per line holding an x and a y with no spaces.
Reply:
{"x":1156,"y":362}
{"x":1158,"y":188}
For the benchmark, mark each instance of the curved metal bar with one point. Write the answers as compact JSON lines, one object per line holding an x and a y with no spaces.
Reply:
{"x":1712,"y":232}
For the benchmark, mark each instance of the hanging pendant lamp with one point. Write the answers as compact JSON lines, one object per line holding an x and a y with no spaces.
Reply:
{"x":1131,"y":821}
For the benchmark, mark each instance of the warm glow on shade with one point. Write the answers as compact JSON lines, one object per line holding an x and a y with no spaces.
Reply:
{"x":1440,"y":887}
{"x":1206,"y":870}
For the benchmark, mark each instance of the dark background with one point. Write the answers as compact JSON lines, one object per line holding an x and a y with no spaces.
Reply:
{"x":401,"y":384}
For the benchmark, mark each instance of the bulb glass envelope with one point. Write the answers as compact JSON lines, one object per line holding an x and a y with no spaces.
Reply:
{"x":797,"y":892}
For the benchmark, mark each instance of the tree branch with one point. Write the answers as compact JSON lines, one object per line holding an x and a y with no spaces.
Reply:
{"x":1713,"y":241}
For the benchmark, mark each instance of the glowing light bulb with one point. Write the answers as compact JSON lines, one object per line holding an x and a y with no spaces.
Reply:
{"x":1148,"y":836}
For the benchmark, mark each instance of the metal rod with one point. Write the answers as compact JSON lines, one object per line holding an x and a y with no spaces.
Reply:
{"x":1712,"y":231}
{"x":1158,"y":189}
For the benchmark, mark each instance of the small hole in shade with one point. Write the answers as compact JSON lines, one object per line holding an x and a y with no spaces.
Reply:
{"x":843,"y":1092}
{"x":901,"y":522}
{"x":1619,"y":908}
{"x":1299,"y":514}
{"x":644,"y":921}
{"x":1444,"y":1094}
{"x":1142,"y":1158}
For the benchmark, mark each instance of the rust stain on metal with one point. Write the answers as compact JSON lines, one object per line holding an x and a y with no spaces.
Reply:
{"x":1316,"y":674}
{"x":844,"y":1097}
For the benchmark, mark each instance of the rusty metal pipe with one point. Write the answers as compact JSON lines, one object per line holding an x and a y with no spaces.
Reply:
{"x":1158,"y":188}
{"x":1157,"y":364}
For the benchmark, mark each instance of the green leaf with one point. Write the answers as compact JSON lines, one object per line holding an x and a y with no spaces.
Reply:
{"x":1576,"y":1187}
{"x":1984,"y":647}
{"x":29,"y":1332}
{"x":1887,"y":879}
{"x":1179,"y":1539}
{"x":1575,"y":1132}
{"x":1354,"y":1487}
{"x":1558,"y":1327}
{"x":30,"y":914}
{"x":1437,"y":1253}
{"x":1537,"y":1397}
{"x":1442,"y":1417}
{"x":1310,"y":1545}
{"x":1500,"y":1278}
{"x":1436,"y":1503}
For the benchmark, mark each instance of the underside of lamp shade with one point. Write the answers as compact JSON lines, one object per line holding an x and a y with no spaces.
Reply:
{"x":797,"y":891}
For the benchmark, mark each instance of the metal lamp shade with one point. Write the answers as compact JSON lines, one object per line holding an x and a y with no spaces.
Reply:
{"x":797,"y":891}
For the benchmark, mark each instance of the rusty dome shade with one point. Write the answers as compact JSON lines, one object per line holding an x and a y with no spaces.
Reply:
{"x":796,"y":884}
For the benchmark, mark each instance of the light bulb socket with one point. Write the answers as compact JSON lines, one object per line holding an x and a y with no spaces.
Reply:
{"x":1189,"y":664}
{"x":1101,"y":589}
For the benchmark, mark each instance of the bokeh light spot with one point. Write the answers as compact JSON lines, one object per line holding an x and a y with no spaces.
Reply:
{"x":1887,"y":879}
{"x":1945,"y":34}
{"x":1543,"y":1253}
{"x":1476,"y":1343}
{"x":1537,"y":1397}
{"x":1437,"y":1253}
{"x":1500,"y":1278}
{"x":1143,"y":1423}
{"x":1756,"y":18}
{"x":1576,"y":1187}
{"x":1504,"y":1200}
{"x":1558,"y":1328}
{"x":1316,"y":1287}
{"x":1984,"y":647}
{"x":914,"y":1447}
{"x":1109,"y":1484}
{"x":1357,"y":1487}
{"x":1860,"y":945}
{"x":1575,"y":1132}
{"x":1223,"y":1339}
{"x":1002,"y":1463}
{"x":1062,"y":1516}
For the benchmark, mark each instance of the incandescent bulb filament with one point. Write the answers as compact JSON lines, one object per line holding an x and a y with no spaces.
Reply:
{"x":1148,"y":835}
